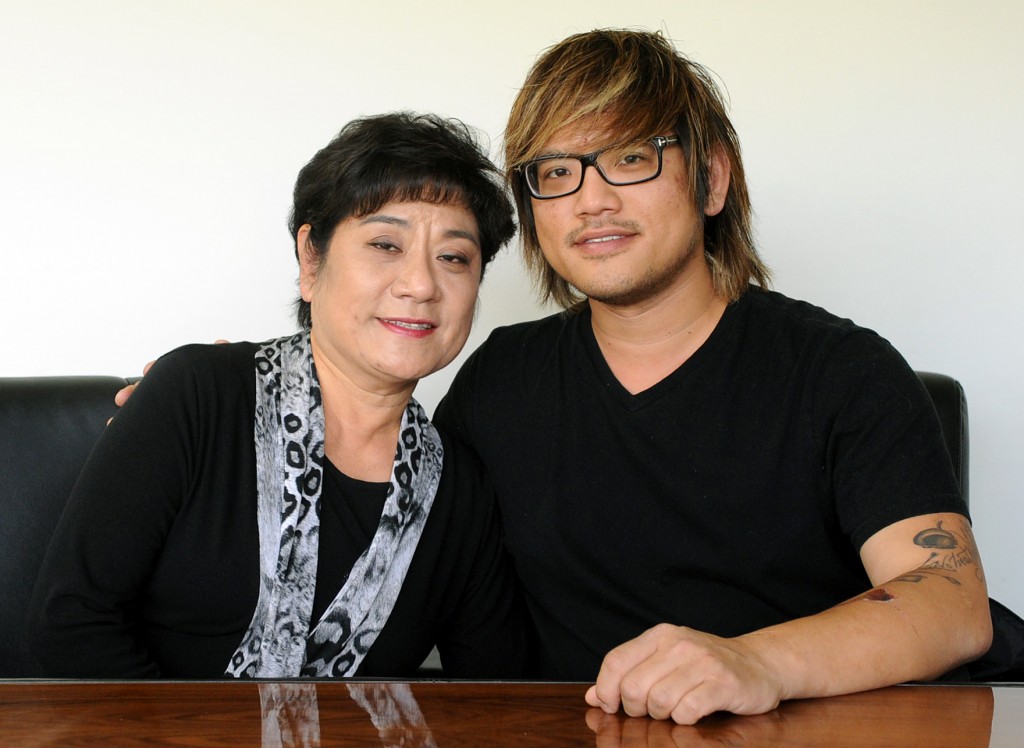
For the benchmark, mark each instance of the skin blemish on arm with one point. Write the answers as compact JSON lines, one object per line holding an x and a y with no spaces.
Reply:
{"x":879,"y":595}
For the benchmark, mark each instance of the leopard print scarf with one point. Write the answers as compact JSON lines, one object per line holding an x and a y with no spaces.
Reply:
{"x":289,"y":436}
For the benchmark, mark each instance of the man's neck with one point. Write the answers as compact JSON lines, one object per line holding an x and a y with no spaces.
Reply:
{"x":643,"y":343}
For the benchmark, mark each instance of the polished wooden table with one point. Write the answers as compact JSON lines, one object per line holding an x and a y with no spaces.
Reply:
{"x":428,"y":713}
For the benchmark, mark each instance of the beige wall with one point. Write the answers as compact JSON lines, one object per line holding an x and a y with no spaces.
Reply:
{"x":147,"y":152}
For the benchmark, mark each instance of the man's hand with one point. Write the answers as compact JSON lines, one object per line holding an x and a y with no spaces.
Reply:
{"x":678,"y":673}
{"x":125,"y":392}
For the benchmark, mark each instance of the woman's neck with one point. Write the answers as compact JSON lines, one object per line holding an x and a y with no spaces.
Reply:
{"x":361,"y":420}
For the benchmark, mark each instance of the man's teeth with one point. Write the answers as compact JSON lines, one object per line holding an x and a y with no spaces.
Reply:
{"x":412,"y":325}
{"x":603,"y":239}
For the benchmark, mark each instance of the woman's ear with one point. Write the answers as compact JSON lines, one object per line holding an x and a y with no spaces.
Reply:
{"x":308,"y":261}
{"x":719,"y":173}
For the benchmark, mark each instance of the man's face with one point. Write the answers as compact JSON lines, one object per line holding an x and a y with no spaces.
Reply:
{"x":622,"y":246}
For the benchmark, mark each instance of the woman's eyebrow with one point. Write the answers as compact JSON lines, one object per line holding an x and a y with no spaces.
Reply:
{"x":460,"y":234}
{"x":384,"y":218}
{"x":402,"y":223}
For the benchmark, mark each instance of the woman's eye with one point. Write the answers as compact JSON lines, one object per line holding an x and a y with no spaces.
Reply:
{"x":385,"y":245}
{"x":454,"y":259}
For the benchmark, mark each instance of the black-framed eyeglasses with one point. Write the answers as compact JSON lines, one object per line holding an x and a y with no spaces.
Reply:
{"x":562,"y":174}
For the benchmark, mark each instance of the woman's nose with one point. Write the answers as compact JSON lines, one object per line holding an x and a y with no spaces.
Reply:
{"x":416,"y":277}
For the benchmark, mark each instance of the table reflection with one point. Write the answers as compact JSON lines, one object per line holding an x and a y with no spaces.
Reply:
{"x":305,"y":714}
{"x":394,"y":712}
{"x":290,"y":714}
{"x":911,"y":716}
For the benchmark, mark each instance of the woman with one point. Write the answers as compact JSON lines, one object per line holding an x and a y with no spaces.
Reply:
{"x":247,"y":513}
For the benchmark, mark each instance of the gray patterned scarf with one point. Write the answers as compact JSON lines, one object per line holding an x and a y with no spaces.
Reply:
{"x":289,"y":437}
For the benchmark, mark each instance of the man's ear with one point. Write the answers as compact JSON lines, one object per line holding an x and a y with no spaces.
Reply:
{"x":719,"y":173}
{"x":308,"y":262}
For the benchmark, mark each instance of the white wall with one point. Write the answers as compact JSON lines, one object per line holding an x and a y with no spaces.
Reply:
{"x":147,"y":152}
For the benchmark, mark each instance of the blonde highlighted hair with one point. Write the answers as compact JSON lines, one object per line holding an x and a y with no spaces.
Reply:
{"x":639,"y":86}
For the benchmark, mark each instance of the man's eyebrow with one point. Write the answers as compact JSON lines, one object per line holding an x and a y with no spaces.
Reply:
{"x":555,"y":153}
{"x":402,"y":223}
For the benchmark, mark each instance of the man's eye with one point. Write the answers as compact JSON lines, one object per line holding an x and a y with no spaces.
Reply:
{"x":632,"y":159}
{"x":557,"y":172}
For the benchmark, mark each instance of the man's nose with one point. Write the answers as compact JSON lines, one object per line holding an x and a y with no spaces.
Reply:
{"x":595,"y":195}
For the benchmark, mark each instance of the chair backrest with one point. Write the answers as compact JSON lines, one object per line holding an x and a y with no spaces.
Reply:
{"x":951,"y":404}
{"x":48,"y":426}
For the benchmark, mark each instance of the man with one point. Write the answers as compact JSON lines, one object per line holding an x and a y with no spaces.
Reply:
{"x":738,"y":497}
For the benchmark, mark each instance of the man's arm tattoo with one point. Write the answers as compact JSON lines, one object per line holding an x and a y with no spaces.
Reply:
{"x":951,"y":550}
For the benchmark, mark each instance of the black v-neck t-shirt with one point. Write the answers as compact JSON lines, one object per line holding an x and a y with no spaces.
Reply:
{"x":732,"y":495}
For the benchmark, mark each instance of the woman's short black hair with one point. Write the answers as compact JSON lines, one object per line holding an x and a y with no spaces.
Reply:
{"x":402,"y":157}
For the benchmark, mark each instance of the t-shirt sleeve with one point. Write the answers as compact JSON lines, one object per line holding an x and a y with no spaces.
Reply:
{"x":885,"y":455}
{"x":485,"y":637}
{"x":113,"y":528}
{"x":479,"y":391}
{"x":452,"y":413}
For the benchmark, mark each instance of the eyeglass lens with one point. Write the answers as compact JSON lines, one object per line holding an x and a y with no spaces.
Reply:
{"x":560,"y":175}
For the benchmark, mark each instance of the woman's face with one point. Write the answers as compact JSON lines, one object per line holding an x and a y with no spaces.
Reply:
{"x":395,"y":298}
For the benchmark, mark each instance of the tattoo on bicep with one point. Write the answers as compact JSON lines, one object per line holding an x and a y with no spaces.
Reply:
{"x":936,"y":537}
{"x":951,"y":550}
{"x":919,"y":575}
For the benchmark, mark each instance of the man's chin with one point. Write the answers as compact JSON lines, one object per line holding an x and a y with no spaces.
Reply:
{"x":631,"y":291}
{"x":627,"y":293}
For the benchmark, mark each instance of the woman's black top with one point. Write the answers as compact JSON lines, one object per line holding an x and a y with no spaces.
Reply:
{"x":154,"y":567}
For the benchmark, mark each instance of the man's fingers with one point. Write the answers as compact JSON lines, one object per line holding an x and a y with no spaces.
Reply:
{"x":607,"y":691}
{"x":704,"y":699}
{"x":667,"y":670}
{"x":123,"y":394}
{"x":615,"y":731}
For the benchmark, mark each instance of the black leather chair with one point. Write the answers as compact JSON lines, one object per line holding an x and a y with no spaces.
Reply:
{"x":48,"y":426}
{"x":948,"y":396}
